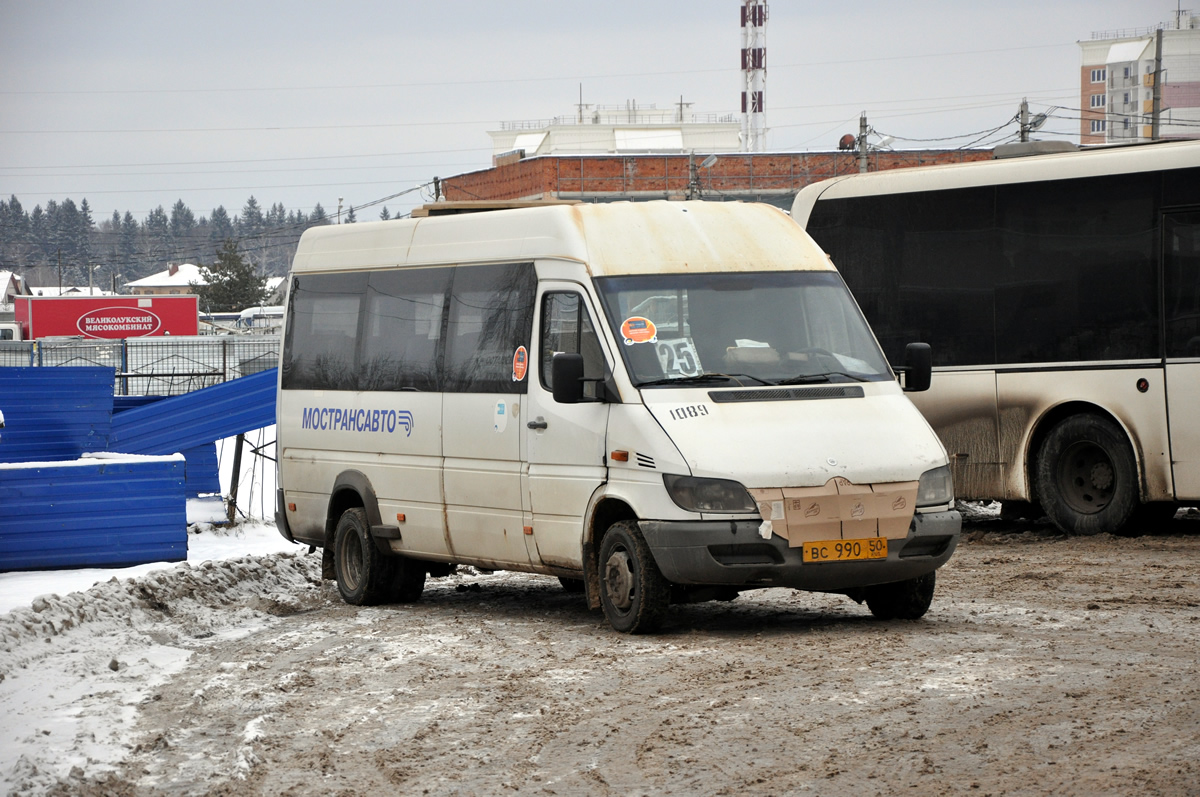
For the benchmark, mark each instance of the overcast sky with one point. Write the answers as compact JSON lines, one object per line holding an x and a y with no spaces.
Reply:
{"x":139,"y":104}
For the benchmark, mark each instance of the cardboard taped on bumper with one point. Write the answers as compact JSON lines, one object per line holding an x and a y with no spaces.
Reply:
{"x":838,"y":509}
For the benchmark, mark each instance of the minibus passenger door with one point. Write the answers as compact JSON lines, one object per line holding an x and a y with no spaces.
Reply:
{"x":1181,"y":278}
{"x":564,"y":443}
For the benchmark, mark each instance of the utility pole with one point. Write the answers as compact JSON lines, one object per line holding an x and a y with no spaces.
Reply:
{"x":339,"y":215}
{"x":1024,"y":119}
{"x":1156,"y":108}
{"x":862,"y":143}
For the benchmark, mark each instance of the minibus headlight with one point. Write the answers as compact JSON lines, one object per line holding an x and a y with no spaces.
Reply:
{"x":708,"y":495}
{"x":936,"y":487}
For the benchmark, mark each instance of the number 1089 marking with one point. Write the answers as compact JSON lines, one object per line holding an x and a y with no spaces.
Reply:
{"x":690,"y":411}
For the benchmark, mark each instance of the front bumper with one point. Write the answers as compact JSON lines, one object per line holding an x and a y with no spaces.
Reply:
{"x":732,"y":553}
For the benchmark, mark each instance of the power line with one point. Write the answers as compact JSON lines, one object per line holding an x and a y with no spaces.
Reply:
{"x":536,"y":79}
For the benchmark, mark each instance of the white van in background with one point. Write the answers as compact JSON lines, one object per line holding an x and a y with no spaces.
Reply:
{"x":656,"y":402}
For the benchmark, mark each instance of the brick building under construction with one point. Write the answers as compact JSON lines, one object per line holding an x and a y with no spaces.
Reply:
{"x":752,"y":177}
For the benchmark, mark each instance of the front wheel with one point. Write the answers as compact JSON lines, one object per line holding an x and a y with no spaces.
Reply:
{"x":902,"y":600}
{"x":633,"y":593}
{"x":1087,"y":477}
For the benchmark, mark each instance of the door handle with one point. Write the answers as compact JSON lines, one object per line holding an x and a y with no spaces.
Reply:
{"x":538,"y":423}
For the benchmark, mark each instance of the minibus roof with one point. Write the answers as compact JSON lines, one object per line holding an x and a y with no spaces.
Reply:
{"x":609,"y":238}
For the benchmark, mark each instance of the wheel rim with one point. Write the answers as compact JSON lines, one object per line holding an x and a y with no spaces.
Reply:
{"x":618,"y":579}
{"x":351,"y":561}
{"x":1086,"y":477}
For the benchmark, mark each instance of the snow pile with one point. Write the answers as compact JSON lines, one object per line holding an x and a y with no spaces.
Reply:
{"x":74,"y":666}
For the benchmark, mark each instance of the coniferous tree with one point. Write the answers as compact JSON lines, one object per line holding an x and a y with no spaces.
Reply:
{"x":350,"y":217}
{"x":220,"y":227}
{"x":85,"y":227}
{"x":384,"y":215}
{"x":128,"y":246}
{"x":232,"y":282}
{"x":158,"y":239}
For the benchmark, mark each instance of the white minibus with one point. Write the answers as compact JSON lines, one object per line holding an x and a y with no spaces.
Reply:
{"x":1061,"y":295}
{"x":655,"y":402}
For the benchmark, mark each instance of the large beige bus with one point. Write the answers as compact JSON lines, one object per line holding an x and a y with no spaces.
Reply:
{"x":1061,"y":296}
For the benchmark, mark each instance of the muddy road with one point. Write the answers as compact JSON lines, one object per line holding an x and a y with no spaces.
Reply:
{"x":1046,"y":665}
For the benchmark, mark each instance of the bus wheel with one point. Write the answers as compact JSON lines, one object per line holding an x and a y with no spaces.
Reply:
{"x":1086,"y":476}
{"x":902,"y":600}
{"x":633,"y":593}
{"x":364,"y":576}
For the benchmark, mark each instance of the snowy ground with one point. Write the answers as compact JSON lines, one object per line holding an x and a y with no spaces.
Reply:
{"x":75,"y":712}
{"x":198,"y":677}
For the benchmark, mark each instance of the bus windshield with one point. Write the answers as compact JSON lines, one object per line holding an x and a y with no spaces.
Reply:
{"x":746,"y":328}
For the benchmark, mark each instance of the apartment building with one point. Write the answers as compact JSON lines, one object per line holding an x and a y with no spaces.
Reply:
{"x":1117,"y":79}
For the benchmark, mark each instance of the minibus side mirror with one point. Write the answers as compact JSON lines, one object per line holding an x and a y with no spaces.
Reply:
{"x":917,"y":368}
{"x":566,"y":373}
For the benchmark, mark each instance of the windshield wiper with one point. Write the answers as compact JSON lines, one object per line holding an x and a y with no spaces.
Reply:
{"x":700,"y":379}
{"x":805,"y":379}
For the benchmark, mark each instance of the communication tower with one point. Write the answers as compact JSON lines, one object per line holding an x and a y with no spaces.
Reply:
{"x":754,"y":75}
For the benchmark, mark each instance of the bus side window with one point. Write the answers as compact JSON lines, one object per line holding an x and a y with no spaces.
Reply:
{"x":491,"y":316}
{"x":318,"y":353}
{"x":402,"y":328}
{"x":1181,"y":262}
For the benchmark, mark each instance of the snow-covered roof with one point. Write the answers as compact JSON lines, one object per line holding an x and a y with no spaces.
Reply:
{"x":10,"y":285}
{"x":81,"y":290}
{"x":180,"y":276}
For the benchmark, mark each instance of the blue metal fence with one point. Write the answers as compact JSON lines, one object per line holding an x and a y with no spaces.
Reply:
{"x":182,"y":422}
{"x":103,"y":512}
{"x":54,"y":413}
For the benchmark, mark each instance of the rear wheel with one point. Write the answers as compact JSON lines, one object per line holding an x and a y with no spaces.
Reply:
{"x":364,"y":575}
{"x":902,"y":600}
{"x":633,"y":593}
{"x":1087,"y":477}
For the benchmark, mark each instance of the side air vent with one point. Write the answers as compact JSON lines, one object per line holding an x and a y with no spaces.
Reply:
{"x":645,"y":461}
{"x":787,"y":394}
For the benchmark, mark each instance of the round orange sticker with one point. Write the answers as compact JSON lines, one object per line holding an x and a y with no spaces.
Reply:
{"x":520,"y":364}
{"x":638,"y":330}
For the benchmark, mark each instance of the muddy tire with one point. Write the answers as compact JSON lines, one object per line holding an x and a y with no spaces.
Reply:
{"x":633,"y":593}
{"x":902,"y":600}
{"x":1087,"y":477}
{"x":365,"y":576}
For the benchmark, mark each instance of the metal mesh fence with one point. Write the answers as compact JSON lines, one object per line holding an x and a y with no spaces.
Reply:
{"x":160,"y":366}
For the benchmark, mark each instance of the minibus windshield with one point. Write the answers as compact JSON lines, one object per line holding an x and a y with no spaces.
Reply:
{"x":740,"y":329}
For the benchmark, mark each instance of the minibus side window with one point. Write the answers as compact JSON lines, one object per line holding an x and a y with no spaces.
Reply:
{"x":322,"y":330}
{"x":402,"y":328}
{"x":567,"y":328}
{"x":491,"y":316}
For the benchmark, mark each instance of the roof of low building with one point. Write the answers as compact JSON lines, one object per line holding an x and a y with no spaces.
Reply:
{"x":180,"y":276}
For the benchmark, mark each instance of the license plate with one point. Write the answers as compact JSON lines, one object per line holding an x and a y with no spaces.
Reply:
{"x":845,"y":550}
